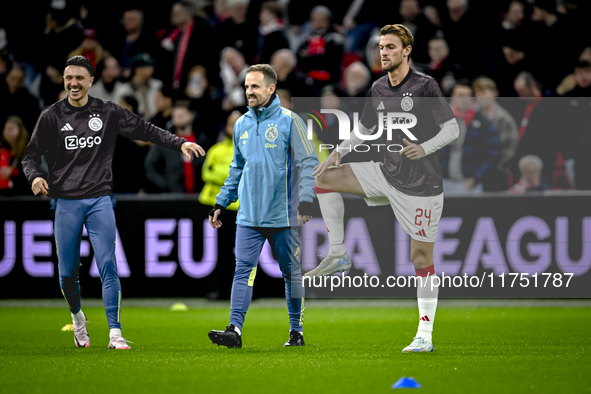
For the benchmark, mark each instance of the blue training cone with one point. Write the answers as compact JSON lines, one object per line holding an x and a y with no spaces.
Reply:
{"x":406,"y":383}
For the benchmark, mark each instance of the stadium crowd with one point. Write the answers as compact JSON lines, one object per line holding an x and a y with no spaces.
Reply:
{"x":518,"y":74}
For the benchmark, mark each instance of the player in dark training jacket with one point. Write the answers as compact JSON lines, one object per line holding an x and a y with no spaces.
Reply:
{"x":77,"y":136}
{"x":409,"y":179}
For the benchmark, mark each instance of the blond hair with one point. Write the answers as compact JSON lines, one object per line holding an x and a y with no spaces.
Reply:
{"x":401,"y":32}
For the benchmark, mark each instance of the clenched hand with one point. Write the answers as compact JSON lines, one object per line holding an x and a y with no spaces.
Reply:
{"x":39,"y":185}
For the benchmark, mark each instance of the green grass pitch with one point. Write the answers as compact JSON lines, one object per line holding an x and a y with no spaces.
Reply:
{"x":351,"y":347}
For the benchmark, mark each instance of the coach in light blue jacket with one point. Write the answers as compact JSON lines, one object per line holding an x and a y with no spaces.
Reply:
{"x":268,"y":142}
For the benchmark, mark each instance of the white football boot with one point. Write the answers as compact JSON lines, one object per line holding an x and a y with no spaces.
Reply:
{"x":118,"y":342}
{"x":81,"y":338}
{"x":418,"y":345}
{"x":331,"y":264}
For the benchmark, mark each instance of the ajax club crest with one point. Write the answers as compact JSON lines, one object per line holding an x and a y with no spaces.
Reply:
{"x":271,"y":133}
{"x":95,"y":123}
{"x":407,"y":102}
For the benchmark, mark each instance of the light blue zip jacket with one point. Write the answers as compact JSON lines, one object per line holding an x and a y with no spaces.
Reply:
{"x":267,"y":144}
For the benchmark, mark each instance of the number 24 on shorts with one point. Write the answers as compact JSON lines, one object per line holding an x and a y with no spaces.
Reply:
{"x":426,"y":213}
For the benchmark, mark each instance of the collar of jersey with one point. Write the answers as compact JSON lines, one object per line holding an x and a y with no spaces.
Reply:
{"x":410,"y":71}
{"x":70,"y":106}
{"x":268,"y":110}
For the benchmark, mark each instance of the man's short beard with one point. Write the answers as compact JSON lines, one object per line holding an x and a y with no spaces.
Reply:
{"x":256,"y":107}
{"x":262,"y":104}
{"x":394,"y":67}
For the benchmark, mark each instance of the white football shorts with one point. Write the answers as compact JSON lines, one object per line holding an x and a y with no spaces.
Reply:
{"x":418,"y":216}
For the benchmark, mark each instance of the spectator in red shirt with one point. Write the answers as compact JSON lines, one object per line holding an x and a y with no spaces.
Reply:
{"x":90,"y":48}
{"x":12,"y":146}
{"x":321,"y":52}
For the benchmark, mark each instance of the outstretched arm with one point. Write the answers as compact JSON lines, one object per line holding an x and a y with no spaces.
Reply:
{"x":134,"y":127}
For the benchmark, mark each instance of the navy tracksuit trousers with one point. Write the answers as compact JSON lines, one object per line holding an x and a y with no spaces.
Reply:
{"x":285,"y":244}
{"x":98,"y":216}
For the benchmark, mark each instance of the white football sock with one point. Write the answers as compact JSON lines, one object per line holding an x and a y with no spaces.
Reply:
{"x":332,"y":207}
{"x":238,"y":330}
{"x":427,"y":293}
{"x":78,"y":317}
{"x":114,"y":331}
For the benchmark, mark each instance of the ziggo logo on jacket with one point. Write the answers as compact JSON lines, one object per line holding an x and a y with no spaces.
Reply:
{"x":75,"y":142}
